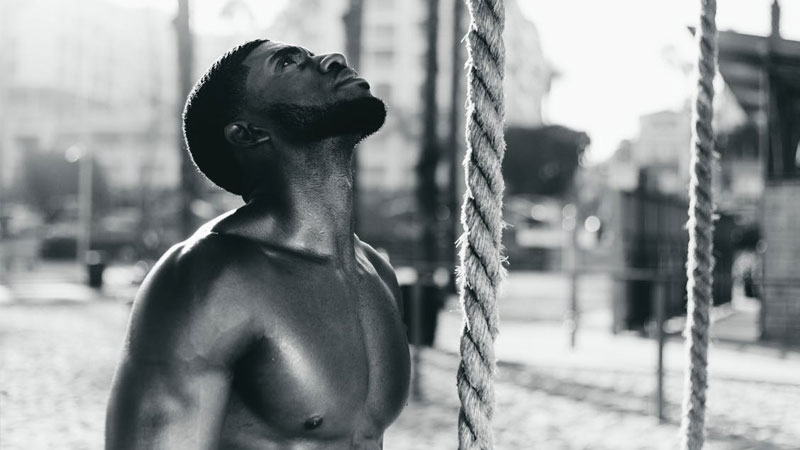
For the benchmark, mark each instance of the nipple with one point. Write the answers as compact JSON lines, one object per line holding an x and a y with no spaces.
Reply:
{"x":313,"y":422}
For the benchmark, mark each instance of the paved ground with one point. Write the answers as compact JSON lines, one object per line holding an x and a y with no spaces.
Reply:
{"x":56,"y":364}
{"x":600,"y":396}
{"x":57,"y":360}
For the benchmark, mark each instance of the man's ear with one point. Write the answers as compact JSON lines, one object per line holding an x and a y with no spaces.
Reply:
{"x":243,"y":134}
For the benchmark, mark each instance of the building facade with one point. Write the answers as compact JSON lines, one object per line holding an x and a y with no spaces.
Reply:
{"x":92,"y":73}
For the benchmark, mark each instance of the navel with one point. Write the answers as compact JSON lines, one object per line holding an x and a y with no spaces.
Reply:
{"x":313,"y":422}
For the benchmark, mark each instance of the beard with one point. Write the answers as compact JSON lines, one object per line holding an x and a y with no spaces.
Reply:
{"x":359,"y":117}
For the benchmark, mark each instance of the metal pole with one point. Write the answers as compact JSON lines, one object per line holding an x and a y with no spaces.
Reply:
{"x":571,"y":320}
{"x":763,"y":124}
{"x":658,"y":295}
{"x":573,"y":291}
{"x":457,"y":88}
{"x":416,"y":338}
{"x":85,"y":171}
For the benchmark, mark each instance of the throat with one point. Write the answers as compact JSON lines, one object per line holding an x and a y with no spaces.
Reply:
{"x":309,"y":205}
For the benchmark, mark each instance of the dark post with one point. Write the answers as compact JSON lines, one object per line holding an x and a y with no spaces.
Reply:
{"x":456,"y":115}
{"x":572,"y":261}
{"x":188,"y":185}
{"x":416,"y":338}
{"x":659,"y":306}
{"x":427,"y":190}
{"x":574,"y":313}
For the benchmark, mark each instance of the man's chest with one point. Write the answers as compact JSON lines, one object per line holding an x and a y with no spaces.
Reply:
{"x":333,"y":357}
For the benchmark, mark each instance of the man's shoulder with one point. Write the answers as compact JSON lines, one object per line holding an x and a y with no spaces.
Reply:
{"x":193,"y":274}
{"x":378,"y":260}
{"x":190,"y":295}
{"x":201,"y":254}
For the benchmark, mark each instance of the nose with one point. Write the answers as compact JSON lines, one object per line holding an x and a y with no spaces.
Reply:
{"x":330,"y":61}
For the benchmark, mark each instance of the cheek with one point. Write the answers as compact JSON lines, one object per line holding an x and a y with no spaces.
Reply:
{"x":299,"y":90}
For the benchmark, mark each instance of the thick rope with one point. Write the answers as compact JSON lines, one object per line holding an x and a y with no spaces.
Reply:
{"x":701,"y":232}
{"x":481,"y":270}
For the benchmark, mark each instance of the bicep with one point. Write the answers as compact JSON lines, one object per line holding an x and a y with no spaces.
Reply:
{"x":155,"y":405}
{"x":171,"y":387}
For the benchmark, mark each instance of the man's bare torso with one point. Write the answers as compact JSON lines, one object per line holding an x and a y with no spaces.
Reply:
{"x":311,"y":353}
{"x":327,"y":366}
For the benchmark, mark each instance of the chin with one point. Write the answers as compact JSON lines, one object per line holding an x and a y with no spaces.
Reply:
{"x":369,"y":114}
{"x":357,"y":113}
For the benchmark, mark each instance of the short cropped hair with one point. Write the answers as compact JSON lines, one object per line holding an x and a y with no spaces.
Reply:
{"x":214,"y":102}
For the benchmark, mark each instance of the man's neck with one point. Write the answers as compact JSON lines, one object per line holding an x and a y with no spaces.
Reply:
{"x":305,"y":202}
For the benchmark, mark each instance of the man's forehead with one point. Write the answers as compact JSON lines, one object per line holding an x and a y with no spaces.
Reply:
{"x":265,"y":50}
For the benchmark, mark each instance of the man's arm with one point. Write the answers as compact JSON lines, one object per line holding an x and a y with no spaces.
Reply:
{"x":171,"y":387}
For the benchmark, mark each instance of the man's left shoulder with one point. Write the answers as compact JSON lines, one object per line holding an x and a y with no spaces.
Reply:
{"x":378,"y":260}
{"x":383,"y":268}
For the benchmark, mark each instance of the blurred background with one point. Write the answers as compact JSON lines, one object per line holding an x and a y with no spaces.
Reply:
{"x":95,"y":185}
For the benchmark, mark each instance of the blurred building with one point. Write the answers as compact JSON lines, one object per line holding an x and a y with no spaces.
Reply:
{"x":763,"y":74}
{"x":393,"y":61}
{"x":662,"y":152}
{"x":663,"y":148}
{"x":93,"y":73}
{"x":103,"y":74}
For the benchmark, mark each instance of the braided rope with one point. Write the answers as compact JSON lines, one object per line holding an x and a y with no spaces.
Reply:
{"x":481,"y":269}
{"x":700,"y":263}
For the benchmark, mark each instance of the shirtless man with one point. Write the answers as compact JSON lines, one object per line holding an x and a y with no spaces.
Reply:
{"x":273,"y":326}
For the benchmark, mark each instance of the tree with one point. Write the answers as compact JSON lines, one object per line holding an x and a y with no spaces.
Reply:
{"x":543,"y":160}
{"x":430,"y":154}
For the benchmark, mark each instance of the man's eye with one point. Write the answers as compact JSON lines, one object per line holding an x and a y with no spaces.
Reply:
{"x":287,"y":61}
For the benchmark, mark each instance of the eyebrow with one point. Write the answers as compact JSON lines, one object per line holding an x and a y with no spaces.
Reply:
{"x":285,"y":51}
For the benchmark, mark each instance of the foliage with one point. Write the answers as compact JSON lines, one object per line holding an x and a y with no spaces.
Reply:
{"x":543,"y":160}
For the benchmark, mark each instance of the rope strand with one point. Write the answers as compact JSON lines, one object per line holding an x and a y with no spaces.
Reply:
{"x":700,"y":263}
{"x":480,"y":251}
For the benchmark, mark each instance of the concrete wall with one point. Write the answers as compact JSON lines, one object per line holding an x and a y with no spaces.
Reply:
{"x":781,"y":226}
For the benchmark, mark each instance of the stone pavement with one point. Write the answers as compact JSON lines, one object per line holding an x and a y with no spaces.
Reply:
{"x":57,"y":361}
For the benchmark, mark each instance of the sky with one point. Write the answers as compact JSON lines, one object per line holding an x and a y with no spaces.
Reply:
{"x":620,"y":59}
{"x":616,"y":59}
